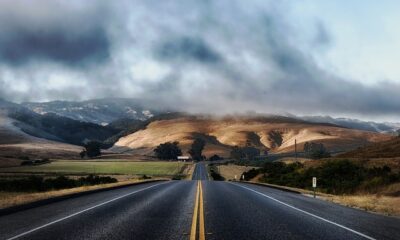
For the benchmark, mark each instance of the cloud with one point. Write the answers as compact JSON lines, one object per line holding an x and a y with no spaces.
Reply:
{"x":218,"y":57}
{"x":188,"y":48}
{"x":58,"y":45}
{"x":52,"y":31}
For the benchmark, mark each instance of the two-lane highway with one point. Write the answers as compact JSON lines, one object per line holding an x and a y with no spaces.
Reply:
{"x":200,"y":172}
{"x":160,"y":210}
{"x":197,"y":209}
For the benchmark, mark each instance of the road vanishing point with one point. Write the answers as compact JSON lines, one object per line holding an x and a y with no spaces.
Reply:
{"x":196,"y":209}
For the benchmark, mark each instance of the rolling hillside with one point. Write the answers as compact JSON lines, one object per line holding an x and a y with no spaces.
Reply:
{"x":99,"y":111}
{"x":16,"y":145}
{"x":386,"y":149}
{"x":273,"y":133}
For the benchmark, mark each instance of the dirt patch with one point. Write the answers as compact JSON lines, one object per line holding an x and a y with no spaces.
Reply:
{"x":230,"y":171}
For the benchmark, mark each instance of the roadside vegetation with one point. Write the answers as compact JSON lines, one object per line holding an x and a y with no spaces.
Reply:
{"x":334,"y":176}
{"x":40,"y":184}
{"x":9,"y":199}
{"x":214,"y":172}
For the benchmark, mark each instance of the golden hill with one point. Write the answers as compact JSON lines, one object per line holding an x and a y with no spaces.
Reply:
{"x":276,"y":134}
{"x":385,"y":149}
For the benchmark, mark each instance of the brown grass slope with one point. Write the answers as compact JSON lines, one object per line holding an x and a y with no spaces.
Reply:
{"x":385,"y":149}
{"x":276,"y":134}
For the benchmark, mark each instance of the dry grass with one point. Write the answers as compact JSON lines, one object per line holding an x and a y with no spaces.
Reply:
{"x":373,"y":203}
{"x":8,"y":199}
{"x":378,"y":203}
{"x":230,"y":171}
{"x":222,"y":133}
{"x":393,"y":163}
{"x":385,"y":149}
{"x":189,"y":171}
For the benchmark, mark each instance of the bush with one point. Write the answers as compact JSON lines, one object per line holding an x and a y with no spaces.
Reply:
{"x":215,"y":157}
{"x":316,"y":150}
{"x":335,"y":176}
{"x":38,"y":184}
{"x":93,"y":149}
{"x":168,"y":150}
{"x":215,"y":174}
{"x":252,"y":173}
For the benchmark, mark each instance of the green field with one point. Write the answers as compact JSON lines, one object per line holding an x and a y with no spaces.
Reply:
{"x":103,"y":167}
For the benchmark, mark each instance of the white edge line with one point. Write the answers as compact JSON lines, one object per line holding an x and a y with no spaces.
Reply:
{"x":310,"y":214}
{"x":82,"y":211}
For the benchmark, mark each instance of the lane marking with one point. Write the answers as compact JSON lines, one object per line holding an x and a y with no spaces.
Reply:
{"x":305,"y":212}
{"x":82,"y":211}
{"x":201,"y":217}
{"x":193,"y":229}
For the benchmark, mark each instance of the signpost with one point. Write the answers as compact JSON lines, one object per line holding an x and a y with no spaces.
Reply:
{"x":314,"y":184}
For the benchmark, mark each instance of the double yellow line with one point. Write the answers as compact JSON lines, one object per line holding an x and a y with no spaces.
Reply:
{"x":198,"y":214}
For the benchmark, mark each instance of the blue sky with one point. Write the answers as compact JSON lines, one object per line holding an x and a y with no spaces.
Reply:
{"x":364,"y":36}
{"x":303,"y":57}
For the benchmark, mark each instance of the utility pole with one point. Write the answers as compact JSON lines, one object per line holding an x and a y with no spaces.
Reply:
{"x":295,"y":149}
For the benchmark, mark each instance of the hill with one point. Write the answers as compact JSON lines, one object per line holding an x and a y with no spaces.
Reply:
{"x":371,"y":126}
{"x":274,"y":133}
{"x":99,"y":111}
{"x":55,"y":127}
{"x":386,"y":149}
{"x":60,"y":128}
{"x":16,"y":145}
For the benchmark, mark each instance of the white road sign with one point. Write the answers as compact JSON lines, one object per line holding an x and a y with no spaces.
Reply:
{"x":314,"y":182}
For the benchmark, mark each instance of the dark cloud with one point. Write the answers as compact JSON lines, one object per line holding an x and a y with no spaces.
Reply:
{"x":188,"y":48}
{"x":23,"y":45}
{"x":54,"y":31}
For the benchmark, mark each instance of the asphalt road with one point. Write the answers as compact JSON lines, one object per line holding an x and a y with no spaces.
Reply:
{"x":190,"y":210}
{"x":200,"y":172}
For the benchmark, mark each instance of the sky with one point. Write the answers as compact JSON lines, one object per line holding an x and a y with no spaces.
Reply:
{"x":303,"y":57}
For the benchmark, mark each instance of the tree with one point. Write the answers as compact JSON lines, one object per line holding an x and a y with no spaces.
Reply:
{"x":237,"y":153}
{"x":251,"y":152}
{"x":248,"y":152}
{"x":197,"y":148}
{"x":93,"y":149}
{"x":315,"y":150}
{"x":168,"y":150}
{"x":82,"y":154}
{"x":215,"y":157}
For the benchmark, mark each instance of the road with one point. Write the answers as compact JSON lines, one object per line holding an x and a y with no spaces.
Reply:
{"x":197,"y":209}
{"x":200,"y":172}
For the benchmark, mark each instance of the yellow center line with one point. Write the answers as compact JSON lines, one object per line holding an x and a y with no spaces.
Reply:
{"x":198,"y":213}
{"x":193,"y":230}
{"x":202,"y":228}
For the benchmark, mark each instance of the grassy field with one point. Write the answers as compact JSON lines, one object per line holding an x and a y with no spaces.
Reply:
{"x":103,"y":167}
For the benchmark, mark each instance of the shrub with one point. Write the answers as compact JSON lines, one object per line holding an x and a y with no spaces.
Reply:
{"x":215,"y":157}
{"x":38,"y":184}
{"x":168,"y":150}
{"x":335,"y":176}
